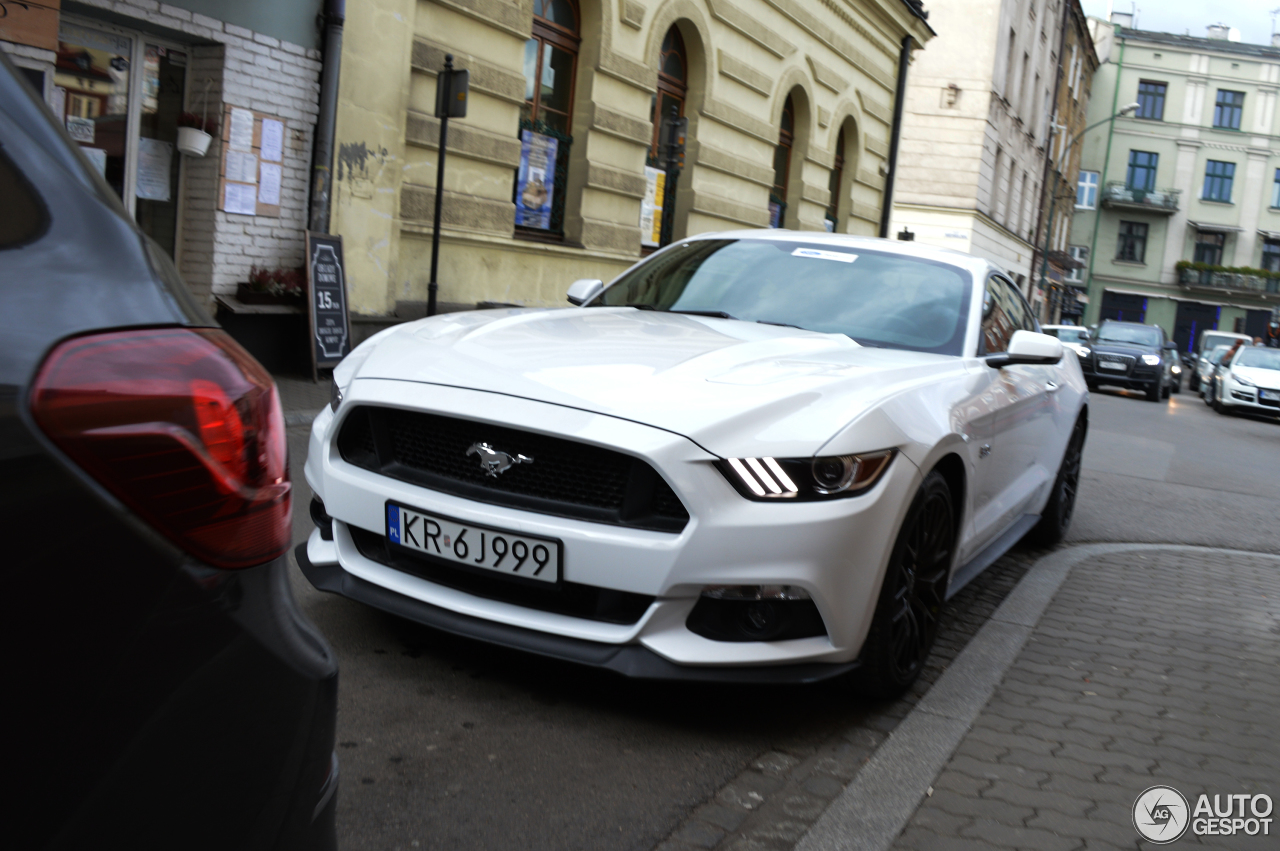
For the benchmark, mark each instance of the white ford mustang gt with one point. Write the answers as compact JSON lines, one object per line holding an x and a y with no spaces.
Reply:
{"x":757,"y":456}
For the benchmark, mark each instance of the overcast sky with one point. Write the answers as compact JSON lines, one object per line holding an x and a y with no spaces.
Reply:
{"x":1251,"y":17}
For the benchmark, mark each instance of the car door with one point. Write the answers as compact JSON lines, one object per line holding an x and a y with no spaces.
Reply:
{"x":1013,"y":469}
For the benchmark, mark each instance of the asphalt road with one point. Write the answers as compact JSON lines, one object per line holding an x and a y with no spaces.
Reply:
{"x":447,"y":743}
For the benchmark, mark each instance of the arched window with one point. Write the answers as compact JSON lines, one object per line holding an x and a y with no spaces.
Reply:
{"x":546,"y":119}
{"x":836,"y":182}
{"x":782,"y":166}
{"x":673,"y":87}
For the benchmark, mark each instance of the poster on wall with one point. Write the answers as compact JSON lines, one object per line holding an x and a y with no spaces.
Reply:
{"x":535,"y":186}
{"x":155,"y":164}
{"x":655,"y":184}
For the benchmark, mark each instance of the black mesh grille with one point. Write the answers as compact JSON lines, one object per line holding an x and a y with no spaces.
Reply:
{"x":566,"y":478}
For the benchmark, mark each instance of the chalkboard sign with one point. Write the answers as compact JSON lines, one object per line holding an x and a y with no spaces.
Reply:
{"x":327,"y":290}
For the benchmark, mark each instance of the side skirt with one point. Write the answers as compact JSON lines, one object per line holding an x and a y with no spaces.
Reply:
{"x":963,"y":575}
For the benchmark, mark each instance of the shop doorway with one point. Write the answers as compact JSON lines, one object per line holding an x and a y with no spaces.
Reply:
{"x":119,"y":94}
{"x":1192,"y":318}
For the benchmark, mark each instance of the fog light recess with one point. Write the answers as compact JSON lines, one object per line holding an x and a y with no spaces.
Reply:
{"x":755,"y":613}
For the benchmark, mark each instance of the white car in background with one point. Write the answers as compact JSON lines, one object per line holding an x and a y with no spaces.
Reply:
{"x":1074,"y":337}
{"x":1250,"y":382}
{"x":760,"y":456}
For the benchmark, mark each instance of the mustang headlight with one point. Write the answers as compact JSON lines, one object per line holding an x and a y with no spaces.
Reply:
{"x":806,"y":478}
{"x":335,"y":394}
{"x":1151,"y":360}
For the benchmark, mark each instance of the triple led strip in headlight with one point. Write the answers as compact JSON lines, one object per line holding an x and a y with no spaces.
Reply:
{"x":828,"y":477}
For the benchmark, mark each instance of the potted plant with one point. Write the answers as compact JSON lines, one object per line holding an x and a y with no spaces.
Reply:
{"x":195,"y":132}
{"x":273,"y":286}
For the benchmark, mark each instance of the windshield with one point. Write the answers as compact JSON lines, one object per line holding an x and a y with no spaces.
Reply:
{"x":1211,"y":340}
{"x":1069,"y":335}
{"x":1259,"y":358}
{"x":878,"y":299}
{"x":1142,"y":335}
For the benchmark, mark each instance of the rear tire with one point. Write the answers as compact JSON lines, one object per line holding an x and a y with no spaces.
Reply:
{"x":911,"y":596}
{"x":1164,"y":394}
{"x":1055,"y":520}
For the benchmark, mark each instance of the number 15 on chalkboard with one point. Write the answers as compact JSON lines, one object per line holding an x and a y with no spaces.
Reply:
{"x":324,"y":301}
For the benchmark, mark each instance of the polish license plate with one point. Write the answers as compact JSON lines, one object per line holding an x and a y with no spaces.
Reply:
{"x":1273,"y":395}
{"x":481,"y":547}
{"x":1108,"y":364}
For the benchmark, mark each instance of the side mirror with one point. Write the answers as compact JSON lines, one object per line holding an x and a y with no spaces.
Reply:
{"x":1030,"y":348}
{"x":582,"y":291}
{"x":1171,"y":346}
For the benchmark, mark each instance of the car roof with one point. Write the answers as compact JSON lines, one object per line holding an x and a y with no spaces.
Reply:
{"x":979,"y":266}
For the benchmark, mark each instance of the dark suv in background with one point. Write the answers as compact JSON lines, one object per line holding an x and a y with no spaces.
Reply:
{"x":1132,"y":355}
{"x":162,"y":686}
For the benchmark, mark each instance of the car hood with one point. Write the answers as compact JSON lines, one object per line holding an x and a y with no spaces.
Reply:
{"x":733,"y":387}
{"x":1118,"y":348}
{"x":1265,"y":378}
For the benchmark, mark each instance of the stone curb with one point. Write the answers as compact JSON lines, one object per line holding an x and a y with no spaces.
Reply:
{"x":875,"y":807}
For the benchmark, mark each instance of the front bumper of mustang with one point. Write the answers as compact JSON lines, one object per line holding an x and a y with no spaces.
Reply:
{"x":626,"y":595}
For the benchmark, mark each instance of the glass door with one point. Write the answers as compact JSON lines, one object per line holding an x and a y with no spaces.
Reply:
{"x":93,"y":78}
{"x":120,"y":95}
{"x":164,"y":81}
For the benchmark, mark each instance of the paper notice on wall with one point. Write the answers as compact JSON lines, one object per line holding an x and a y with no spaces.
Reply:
{"x":81,"y":129}
{"x":155,"y":161}
{"x":240,"y":198}
{"x":97,"y":156}
{"x":269,"y":188}
{"x":655,"y":183}
{"x":241,"y":130}
{"x":272,"y":147}
{"x":241,"y":167}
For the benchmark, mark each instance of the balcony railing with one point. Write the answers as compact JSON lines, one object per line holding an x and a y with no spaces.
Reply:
{"x":1235,"y":281}
{"x":1163,"y":201}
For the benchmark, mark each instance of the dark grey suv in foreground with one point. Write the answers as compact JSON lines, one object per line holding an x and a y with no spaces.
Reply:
{"x":162,"y":687}
{"x":1132,"y":355}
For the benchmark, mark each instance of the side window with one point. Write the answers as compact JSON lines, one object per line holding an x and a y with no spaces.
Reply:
{"x":1019,"y":312}
{"x":22,"y":216}
{"x":997,"y":325}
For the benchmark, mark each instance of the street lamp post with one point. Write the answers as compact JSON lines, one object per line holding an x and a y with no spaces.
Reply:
{"x":1053,"y":195}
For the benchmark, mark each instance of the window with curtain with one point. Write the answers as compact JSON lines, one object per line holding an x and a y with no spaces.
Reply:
{"x":1209,"y":247}
{"x":1271,"y":255}
{"x":550,"y":71}
{"x":1132,"y":242}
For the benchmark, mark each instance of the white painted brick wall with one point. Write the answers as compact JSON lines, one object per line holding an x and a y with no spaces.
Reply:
{"x":256,"y":71}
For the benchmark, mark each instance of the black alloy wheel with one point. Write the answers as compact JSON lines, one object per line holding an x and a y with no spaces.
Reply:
{"x":912,"y":595}
{"x":1055,"y":520}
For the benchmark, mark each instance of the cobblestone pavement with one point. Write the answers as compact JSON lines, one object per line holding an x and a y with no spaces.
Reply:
{"x":1154,"y":668}
{"x":772,"y":802}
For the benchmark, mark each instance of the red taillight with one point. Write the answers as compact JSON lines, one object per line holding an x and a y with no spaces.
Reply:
{"x":183,"y":426}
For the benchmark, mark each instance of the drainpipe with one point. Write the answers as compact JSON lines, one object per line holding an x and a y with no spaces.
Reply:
{"x":335,"y":14}
{"x":904,"y":59}
{"x":1095,"y":299}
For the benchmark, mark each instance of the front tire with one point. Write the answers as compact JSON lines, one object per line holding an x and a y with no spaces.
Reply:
{"x":1055,"y":520}
{"x":1153,"y":391}
{"x":912,"y":594}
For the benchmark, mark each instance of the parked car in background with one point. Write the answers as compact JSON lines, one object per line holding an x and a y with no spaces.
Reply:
{"x":1249,"y":382}
{"x":1209,"y":340}
{"x":1134,"y":356}
{"x":1205,"y":368}
{"x":1074,"y":337}
{"x":165,"y":690}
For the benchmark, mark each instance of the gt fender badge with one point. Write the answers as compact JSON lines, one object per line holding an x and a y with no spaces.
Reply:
{"x":493,"y":462}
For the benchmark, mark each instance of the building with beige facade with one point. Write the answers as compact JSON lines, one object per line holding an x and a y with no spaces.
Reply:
{"x":1178,"y":207}
{"x":971,"y":162}
{"x":555,"y":174}
{"x":1055,"y":270}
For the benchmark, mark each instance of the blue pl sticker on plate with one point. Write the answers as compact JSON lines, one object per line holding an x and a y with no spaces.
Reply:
{"x":824,"y":255}
{"x":393,"y":523}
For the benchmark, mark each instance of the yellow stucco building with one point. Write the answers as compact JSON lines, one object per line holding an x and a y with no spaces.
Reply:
{"x":556,"y":166}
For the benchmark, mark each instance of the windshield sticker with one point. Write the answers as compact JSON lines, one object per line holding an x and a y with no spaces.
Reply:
{"x":824,"y":255}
